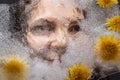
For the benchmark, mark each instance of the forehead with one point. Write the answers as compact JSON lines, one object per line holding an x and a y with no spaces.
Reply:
{"x":58,"y":9}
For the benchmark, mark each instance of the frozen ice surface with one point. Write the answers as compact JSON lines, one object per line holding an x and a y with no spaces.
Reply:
{"x":93,"y":25}
{"x":9,"y":45}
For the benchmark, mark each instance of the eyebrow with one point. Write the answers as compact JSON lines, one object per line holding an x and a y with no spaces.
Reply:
{"x":73,"y":22}
{"x":42,"y":22}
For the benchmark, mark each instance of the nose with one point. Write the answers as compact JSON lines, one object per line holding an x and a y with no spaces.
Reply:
{"x":59,"y":40}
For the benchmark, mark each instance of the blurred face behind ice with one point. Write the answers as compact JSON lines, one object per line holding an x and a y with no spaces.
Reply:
{"x":51,"y":26}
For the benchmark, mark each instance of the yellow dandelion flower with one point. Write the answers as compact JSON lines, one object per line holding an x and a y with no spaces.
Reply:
{"x":108,"y":48}
{"x":114,"y":24}
{"x":14,"y":68}
{"x":106,"y":3}
{"x":79,"y":72}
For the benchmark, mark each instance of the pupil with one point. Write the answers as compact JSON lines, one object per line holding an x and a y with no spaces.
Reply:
{"x":76,"y":28}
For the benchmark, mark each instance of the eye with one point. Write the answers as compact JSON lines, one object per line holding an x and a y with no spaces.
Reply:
{"x":74,"y":28}
{"x":42,"y":30}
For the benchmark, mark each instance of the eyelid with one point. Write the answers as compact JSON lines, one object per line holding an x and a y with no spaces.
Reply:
{"x":73,"y":23}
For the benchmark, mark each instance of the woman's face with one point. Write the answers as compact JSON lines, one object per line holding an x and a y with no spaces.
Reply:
{"x":51,"y":26}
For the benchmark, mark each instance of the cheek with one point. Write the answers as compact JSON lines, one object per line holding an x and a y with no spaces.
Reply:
{"x":37,"y":42}
{"x":83,"y":39}
{"x":80,"y":38}
{"x":79,"y":50}
{"x":80,"y":44}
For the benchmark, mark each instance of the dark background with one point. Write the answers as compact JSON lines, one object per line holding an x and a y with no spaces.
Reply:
{"x":8,"y":1}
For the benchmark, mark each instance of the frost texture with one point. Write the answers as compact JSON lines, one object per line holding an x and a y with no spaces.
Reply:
{"x":93,"y":25}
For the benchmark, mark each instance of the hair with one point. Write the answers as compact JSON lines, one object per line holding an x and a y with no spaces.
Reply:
{"x":18,"y":20}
